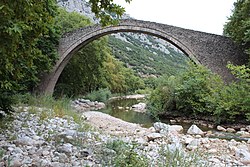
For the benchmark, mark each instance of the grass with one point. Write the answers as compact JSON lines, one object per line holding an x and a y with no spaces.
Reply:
{"x":48,"y":106}
{"x":179,"y":158}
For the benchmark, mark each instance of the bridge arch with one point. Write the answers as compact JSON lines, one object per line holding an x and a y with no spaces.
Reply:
{"x":188,"y":41}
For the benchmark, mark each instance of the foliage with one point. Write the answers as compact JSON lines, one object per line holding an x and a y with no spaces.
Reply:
{"x":163,"y":97}
{"x":26,"y":27}
{"x":107,"y":11}
{"x":68,"y":21}
{"x":196,"y":84}
{"x":84,"y":71}
{"x":198,"y":92}
{"x":101,"y":95}
{"x":238,"y":27}
{"x":93,"y":67}
{"x":147,"y":60}
{"x":120,"y":79}
{"x":125,"y":155}
{"x":177,"y":157}
{"x":47,"y":106}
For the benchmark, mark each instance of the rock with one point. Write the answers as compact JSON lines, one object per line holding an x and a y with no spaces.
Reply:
{"x":63,"y":158}
{"x":57,"y":164}
{"x":15,"y":163}
{"x":243,"y":133}
{"x":172,"y":121}
{"x":188,"y":140}
{"x":153,"y":136}
{"x":45,"y":153}
{"x":245,"y":162}
{"x":194,"y":130}
{"x":220,"y":128}
{"x":140,"y":107}
{"x":160,"y":126}
{"x":193,"y":144}
{"x":231,"y":130}
{"x":242,"y":129}
{"x":248,"y":128}
{"x":243,"y":154}
{"x":165,"y":129}
{"x":213,"y":150}
{"x":24,"y":141}
{"x":65,"y":148}
{"x":177,"y":128}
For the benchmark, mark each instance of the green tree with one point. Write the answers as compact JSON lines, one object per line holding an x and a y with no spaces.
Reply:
{"x":238,"y":26}
{"x":107,"y":11}
{"x":26,"y":26}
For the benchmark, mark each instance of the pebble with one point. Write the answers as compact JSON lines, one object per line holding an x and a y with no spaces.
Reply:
{"x":57,"y":142}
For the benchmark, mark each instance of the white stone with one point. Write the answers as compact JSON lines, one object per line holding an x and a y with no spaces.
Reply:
{"x":193,"y":144}
{"x":153,"y":136}
{"x":248,"y":128}
{"x":213,"y":150}
{"x":220,"y":128}
{"x":195,"y":130}
{"x":140,"y":107}
{"x":231,"y":130}
{"x":177,"y":128}
{"x":160,"y":126}
{"x":243,"y":154}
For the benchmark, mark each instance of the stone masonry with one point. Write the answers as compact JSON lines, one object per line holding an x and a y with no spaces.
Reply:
{"x":213,"y":51}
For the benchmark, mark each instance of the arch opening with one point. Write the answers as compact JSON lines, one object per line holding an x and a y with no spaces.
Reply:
{"x":74,"y":41}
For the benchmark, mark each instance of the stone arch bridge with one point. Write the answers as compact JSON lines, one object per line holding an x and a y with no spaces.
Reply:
{"x":213,"y":51}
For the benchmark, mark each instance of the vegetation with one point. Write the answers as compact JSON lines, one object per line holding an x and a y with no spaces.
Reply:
{"x":125,"y":155}
{"x":198,"y":92}
{"x":107,"y":11}
{"x":238,"y":26}
{"x":101,"y":95}
{"x":175,"y":158}
{"x":147,"y":59}
{"x":93,"y":67}
{"x":29,"y":38}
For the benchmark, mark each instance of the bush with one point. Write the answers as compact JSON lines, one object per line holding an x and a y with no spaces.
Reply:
{"x":163,"y":97}
{"x":101,"y":95}
{"x":196,"y":85}
{"x":199,"y":92}
{"x":125,"y":155}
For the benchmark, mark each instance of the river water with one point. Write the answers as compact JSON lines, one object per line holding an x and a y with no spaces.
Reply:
{"x":122,"y":108}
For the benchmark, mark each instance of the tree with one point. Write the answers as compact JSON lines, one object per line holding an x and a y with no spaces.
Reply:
{"x":26,"y":26}
{"x":238,"y":26}
{"x":107,"y":11}
{"x":29,"y":39}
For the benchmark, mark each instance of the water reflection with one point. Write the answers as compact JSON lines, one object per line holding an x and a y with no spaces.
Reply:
{"x":121,"y":108}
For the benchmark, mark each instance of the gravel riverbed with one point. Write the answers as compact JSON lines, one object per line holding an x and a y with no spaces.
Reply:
{"x":29,"y":139}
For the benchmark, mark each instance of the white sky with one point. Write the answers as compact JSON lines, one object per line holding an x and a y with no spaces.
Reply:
{"x":202,"y":15}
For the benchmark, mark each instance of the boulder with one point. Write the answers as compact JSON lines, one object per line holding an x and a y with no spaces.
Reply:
{"x":195,"y":130}
{"x":153,"y":136}
{"x":160,"y":126}
{"x":231,"y":130}
{"x":220,"y":128}
{"x":140,"y":107}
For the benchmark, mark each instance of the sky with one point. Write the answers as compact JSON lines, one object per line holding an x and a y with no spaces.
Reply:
{"x":201,"y":15}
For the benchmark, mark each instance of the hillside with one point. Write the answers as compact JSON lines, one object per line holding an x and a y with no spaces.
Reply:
{"x":147,"y":55}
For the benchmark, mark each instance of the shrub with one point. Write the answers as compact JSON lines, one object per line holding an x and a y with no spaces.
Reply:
{"x":196,"y":85}
{"x":163,"y":97}
{"x":101,"y":95}
{"x":199,"y":92}
{"x":125,"y":155}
